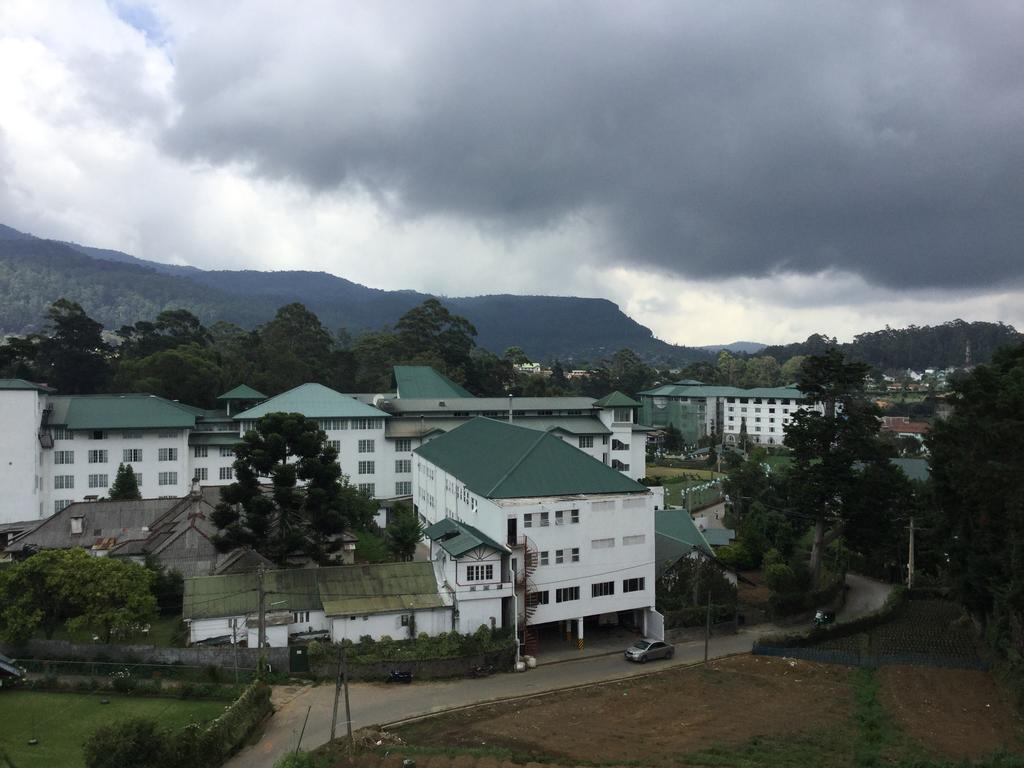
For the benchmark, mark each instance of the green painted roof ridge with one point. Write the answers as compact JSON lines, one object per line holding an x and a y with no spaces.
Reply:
{"x":241,"y":392}
{"x":617,"y":399}
{"x":540,"y":438}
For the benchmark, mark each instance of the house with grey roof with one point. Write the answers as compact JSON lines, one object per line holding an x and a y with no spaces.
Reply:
{"x":530,"y":532}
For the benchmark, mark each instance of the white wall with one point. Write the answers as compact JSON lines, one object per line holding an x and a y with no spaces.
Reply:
{"x":433,"y":622}
{"x":204,"y":629}
{"x":21,"y":475}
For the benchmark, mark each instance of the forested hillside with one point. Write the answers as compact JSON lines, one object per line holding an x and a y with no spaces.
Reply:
{"x":118,"y":289}
{"x":916,"y":347}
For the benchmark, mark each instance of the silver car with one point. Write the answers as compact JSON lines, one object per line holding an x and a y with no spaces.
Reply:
{"x":642,"y":650}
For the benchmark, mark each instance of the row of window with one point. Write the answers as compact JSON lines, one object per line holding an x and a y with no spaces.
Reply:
{"x":543,"y":519}
{"x":135,"y":455}
{"x":561,"y":556}
{"x":598,"y":589}
{"x":336,"y":425}
{"x":480,"y":573}
{"x":627,"y":541}
{"x":587,"y":441}
{"x":759,"y":401}
{"x":63,"y":433}
{"x":65,"y":482}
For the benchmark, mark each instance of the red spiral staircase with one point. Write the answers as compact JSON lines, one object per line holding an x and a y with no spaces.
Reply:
{"x":529,"y":599}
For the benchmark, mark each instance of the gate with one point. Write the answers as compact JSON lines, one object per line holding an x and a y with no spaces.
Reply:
{"x":298,"y":659}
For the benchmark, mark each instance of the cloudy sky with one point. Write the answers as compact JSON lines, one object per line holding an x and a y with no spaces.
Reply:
{"x":749,"y":170}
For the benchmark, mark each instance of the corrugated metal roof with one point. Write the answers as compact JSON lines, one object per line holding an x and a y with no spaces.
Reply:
{"x":573,"y":425}
{"x":457,"y":538}
{"x":617,"y":400}
{"x":679,"y":390}
{"x":338,"y":590}
{"x":479,"y":405}
{"x":499,"y":460}
{"x":314,"y":401}
{"x":242,"y":392}
{"x":677,"y":524}
{"x":422,"y":381}
{"x":128,"y":411}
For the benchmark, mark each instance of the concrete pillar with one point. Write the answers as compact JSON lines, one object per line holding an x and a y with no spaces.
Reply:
{"x":567,"y":624}
{"x":579,"y":633}
{"x":643,"y":622}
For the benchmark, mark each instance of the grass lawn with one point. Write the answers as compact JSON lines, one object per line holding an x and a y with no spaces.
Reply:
{"x":63,"y":721}
{"x":675,"y":493}
{"x":161,"y":633}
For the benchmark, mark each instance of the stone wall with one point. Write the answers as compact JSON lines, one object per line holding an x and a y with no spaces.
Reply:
{"x":147,"y":654}
{"x":430,"y":669}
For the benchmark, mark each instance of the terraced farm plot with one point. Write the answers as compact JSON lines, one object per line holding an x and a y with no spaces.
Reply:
{"x":927,"y":628}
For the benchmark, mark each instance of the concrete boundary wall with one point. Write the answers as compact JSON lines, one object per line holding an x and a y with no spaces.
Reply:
{"x":148,"y":654}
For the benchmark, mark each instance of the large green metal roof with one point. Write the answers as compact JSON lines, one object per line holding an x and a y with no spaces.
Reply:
{"x":422,"y":381}
{"x":314,"y":401}
{"x":337,"y":590}
{"x":617,"y":400}
{"x":242,"y":392}
{"x":681,"y":390}
{"x":677,"y":525}
{"x":499,"y":460}
{"x":130,"y":411}
{"x":457,"y":538}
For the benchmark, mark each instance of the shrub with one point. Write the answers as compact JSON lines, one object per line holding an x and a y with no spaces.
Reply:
{"x":736,"y":556}
{"x":296,"y":760}
{"x":135,"y":743}
{"x":770,"y":558}
{"x":780,"y":578}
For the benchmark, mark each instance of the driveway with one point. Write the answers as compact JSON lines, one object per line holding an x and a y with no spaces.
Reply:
{"x":375,"y":703}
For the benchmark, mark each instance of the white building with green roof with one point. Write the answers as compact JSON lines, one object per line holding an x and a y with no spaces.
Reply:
{"x":532,"y":531}
{"x":698,"y":410}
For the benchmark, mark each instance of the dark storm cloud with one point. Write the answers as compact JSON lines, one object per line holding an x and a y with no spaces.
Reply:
{"x":707,"y":139}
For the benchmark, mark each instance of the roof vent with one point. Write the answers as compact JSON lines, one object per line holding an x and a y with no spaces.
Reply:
{"x":441,"y":404}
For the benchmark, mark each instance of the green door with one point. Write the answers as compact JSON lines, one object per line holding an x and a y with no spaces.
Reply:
{"x":298,"y":660}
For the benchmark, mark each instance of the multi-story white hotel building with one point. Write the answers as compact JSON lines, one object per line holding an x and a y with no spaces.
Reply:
{"x":56,"y":449}
{"x":525,"y":529}
{"x":698,"y":410}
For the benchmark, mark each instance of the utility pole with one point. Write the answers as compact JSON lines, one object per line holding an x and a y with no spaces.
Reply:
{"x":341,"y":681}
{"x":910,"y":557}
{"x":234,"y":645}
{"x":262,"y":636}
{"x":707,"y":627}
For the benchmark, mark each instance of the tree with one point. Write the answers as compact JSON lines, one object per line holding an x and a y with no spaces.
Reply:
{"x":73,"y":357}
{"x":404,"y":532}
{"x":125,"y":486}
{"x":826,"y":446}
{"x":187,"y":373}
{"x":309,"y":503}
{"x":172,"y":328}
{"x":744,"y":436}
{"x":294,"y":349}
{"x":516,"y":356}
{"x":628,"y":373}
{"x":111,"y":595}
{"x":976,"y":456}
{"x":673,"y":439}
{"x":138,"y":742}
{"x":430,"y":331}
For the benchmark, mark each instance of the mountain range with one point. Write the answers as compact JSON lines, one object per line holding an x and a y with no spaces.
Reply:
{"x":116,"y":289}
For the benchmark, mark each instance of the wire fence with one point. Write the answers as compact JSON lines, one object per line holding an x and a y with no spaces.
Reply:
{"x":870,"y":660}
{"x":121,"y":671}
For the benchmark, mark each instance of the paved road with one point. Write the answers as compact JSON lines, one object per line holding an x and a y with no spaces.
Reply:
{"x":374,"y":703}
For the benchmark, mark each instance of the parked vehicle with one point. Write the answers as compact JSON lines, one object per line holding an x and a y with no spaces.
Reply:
{"x":643,"y":650}
{"x":823,"y":617}
{"x":398,"y":676}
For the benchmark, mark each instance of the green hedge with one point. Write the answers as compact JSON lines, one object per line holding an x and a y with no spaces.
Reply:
{"x":447,"y":645}
{"x":893,"y":604}
{"x":194,"y":746}
{"x":800,"y":602}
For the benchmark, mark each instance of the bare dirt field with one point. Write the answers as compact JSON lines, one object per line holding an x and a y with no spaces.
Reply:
{"x":951,"y":713}
{"x":656,"y":719}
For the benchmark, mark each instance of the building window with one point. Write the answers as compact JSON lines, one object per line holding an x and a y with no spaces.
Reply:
{"x":574,"y":554}
{"x":367,"y":423}
{"x":559,"y":517}
{"x":602,"y":543}
{"x":528,"y":520}
{"x":603,"y":589}
{"x":63,"y":457}
{"x":202,"y":473}
{"x":98,"y":481}
{"x":167,"y":478}
{"x":226,"y":473}
{"x":77,"y":525}
{"x":574,"y":516}
{"x":366,"y":446}
{"x":544,"y":519}
{"x":300,"y":617}
{"x":403,"y":466}
{"x":539,"y":598}
{"x":63,"y":433}
{"x":403,"y":488}
{"x":335,"y":444}
{"x":480,"y":573}
{"x":559,"y":556}
{"x":628,"y":540}
{"x":624,"y":414}
{"x":97,"y":457}
{"x":369,"y":489}
{"x":226,"y":450}
{"x":200,"y":451}
{"x":633,"y":585}
{"x":168,"y":433}
{"x":138,"y":478}
{"x":403,"y":445}
{"x":586,"y":441}
{"x":63,"y":481}
{"x":98,"y":434}
{"x":131,"y":455}
{"x":544,"y":557}
{"x":366,"y":467}
{"x":60,"y":504}
{"x":131,"y":434}
{"x":567,"y":594}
